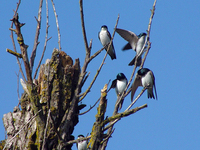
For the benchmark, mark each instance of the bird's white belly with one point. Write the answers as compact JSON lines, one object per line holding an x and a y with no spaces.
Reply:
{"x":82,"y":145}
{"x":147,"y":80}
{"x":104,"y":38}
{"x":121,"y":85}
{"x":140,"y":45}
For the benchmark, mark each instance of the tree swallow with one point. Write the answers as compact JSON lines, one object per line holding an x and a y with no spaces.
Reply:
{"x":135,"y":42}
{"x":145,"y":78}
{"x":104,"y":37}
{"x":82,"y":145}
{"x":119,"y":84}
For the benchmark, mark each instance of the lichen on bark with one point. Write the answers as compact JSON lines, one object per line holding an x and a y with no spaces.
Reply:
{"x":55,"y":88}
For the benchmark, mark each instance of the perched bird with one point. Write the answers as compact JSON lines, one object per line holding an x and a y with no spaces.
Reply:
{"x":104,"y":37}
{"x":135,"y":42}
{"x":119,"y":84}
{"x":145,"y":78}
{"x":82,"y":145}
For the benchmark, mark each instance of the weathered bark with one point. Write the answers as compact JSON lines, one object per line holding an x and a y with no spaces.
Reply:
{"x":97,"y":135}
{"x":53,"y":90}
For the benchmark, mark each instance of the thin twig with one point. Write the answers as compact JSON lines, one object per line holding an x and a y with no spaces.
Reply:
{"x":18,"y":87}
{"x":90,"y":108}
{"x":136,"y":99}
{"x":97,"y":53}
{"x":56,"y":17}
{"x":37,"y":33}
{"x":148,"y":35}
{"x":46,"y":39}
{"x":87,"y":61}
{"x":108,"y":136}
{"x":95,"y":102}
{"x":83,"y":27}
{"x":87,"y":56}
{"x":21,"y":129}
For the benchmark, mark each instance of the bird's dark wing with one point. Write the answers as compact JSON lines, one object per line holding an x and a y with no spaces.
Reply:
{"x":139,"y":61}
{"x":137,"y":82}
{"x":99,"y":36}
{"x":108,"y":33}
{"x":154,"y":85}
{"x":127,"y":47}
{"x":81,"y":106}
{"x":113,"y":85}
{"x":111,"y":52}
{"x":128,"y":36}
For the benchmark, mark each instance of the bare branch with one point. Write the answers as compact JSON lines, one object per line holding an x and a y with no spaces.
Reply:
{"x":88,"y":51}
{"x":120,"y":115}
{"x":37,"y":33}
{"x":83,"y":70}
{"x":23,"y":46}
{"x":97,"y":53}
{"x":18,"y":87}
{"x":90,"y":108}
{"x":148,"y":34}
{"x":83,"y":27}
{"x":87,"y":60}
{"x":136,"y":99}
{"x":112,"y":123}
{"x":46,"y":39}
{"x":85,"y":78}
{"x":108,"y":136}
{"x":124,"y":114}
{"x":14,"y":53}
{"x":20,"y":67}
{"x":56,"y":16}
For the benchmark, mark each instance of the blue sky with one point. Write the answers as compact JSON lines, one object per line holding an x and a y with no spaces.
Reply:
{"x":172,"y":121}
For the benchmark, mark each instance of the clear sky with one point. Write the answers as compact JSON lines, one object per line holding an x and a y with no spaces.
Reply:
{"x":172,"y":121}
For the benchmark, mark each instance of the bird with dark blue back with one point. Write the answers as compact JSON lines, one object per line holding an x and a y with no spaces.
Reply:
{"x":145,"y":78}
{"x":105,"y":38}
{"x":134,"y":42}
{"x":119,"y":84}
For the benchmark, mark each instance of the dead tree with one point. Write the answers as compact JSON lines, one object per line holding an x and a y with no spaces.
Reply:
{"x":50,"y":104}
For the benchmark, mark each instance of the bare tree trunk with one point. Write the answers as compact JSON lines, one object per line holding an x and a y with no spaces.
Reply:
{"x":55,"y":90}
